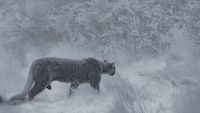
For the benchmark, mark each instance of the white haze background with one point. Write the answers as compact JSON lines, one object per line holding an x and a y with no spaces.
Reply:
{"x":155,"y":44}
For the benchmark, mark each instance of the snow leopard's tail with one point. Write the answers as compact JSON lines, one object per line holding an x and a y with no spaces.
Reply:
{"x":27,"y":87}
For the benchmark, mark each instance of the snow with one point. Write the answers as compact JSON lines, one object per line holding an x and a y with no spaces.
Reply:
{"x":155,"y":44}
